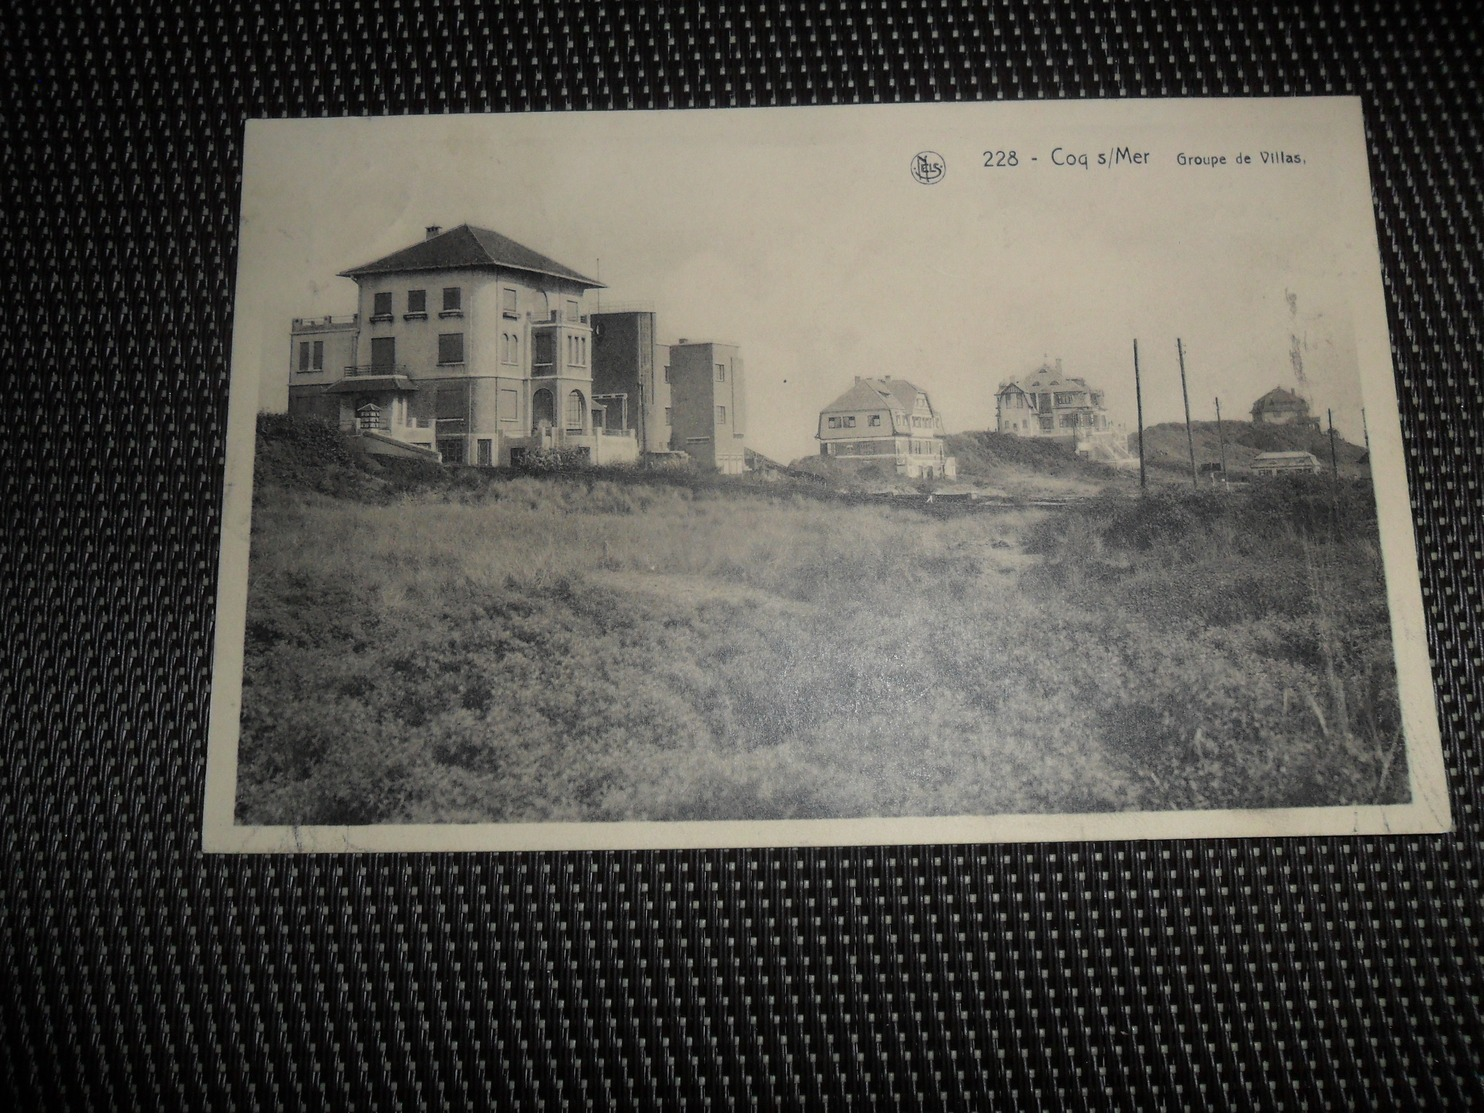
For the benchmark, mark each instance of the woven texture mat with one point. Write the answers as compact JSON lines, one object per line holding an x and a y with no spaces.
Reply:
{"x":1338,"y":972}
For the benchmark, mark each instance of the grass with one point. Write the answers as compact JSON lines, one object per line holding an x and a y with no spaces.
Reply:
{"x":604,"y":648}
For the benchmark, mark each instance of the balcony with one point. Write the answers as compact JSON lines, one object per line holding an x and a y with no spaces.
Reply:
{"x":377,"y":370}
{"x":326,"y":322}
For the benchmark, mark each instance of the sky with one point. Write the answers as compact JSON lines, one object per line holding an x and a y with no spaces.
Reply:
{"x":801,"y":235}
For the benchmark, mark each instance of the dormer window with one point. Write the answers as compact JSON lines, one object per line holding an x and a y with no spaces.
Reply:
{"x":453,"y":303}
{"x":381,"y":306}
{"x":417,"y":305}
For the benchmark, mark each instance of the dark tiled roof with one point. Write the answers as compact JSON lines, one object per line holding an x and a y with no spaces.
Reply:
{"x":469,"y":246}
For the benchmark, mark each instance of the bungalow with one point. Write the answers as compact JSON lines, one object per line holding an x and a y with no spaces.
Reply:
{"x":1275,"y":462}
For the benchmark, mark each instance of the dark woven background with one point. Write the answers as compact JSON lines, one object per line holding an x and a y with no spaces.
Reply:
{"x":135,"y":972}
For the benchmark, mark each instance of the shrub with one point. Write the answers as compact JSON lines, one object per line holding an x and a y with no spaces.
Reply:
{"x":554,"y":460}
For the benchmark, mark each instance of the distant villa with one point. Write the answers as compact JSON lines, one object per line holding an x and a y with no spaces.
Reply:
{"x":1281,"y":407}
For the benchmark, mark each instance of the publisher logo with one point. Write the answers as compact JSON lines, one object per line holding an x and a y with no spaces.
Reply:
{"x":928,"y":167}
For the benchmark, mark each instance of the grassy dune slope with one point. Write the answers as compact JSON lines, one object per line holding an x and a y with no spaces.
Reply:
{"x":575,"y":648}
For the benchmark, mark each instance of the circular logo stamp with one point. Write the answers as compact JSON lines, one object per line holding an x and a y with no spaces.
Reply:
{"x":928,"y":167}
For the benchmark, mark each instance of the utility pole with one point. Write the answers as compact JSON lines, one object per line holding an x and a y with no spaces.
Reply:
{"x":1334,"y":461}
{"x":1139,"y":399}
{"x":1195,"y":479}
{"x":1221,"y":438}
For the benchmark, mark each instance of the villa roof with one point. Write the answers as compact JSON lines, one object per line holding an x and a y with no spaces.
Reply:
{"x":1047,"y":379}
{"x":866,"y":393}
{"x":1285,"y":456}
{"x":469,"y":246}
{"x":1281,"y":396}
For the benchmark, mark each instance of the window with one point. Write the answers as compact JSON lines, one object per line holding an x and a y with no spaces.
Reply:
{"x":417,"y":304}
{"x":543,"y":353}
{"x":721,"y":373}
{"x":452,"y":409}
{"x":311,"y":356}
{"x":452,"y":450}
{"x":875,"y":420}
{"x":667,"y":374}
{"x":383,"y":354}
{"x":721,"y":414}
{"x":850,"y":420}
{"x":834,"y":422}
{"x":667,"y":417}
{"x":572,"y":310}
{"x":453,"y":303}
{"x":381,"y":306}
{"x":507,"y":302}
{"x":574,"y":411}
{"x":509,"y":405}
{"x":1046,"y":422}
{"x":450,"y":349}
{"x":486,"y":451}
{"x":509,"y":349}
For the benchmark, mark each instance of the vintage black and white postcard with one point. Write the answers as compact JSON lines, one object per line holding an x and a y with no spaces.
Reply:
{"x":949,"y":473}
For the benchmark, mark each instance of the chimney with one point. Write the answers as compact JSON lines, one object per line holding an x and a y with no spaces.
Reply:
{"x":433,"y":231}
{"x":683,"y":341}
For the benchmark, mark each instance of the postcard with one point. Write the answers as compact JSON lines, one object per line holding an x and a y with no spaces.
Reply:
{"x":815,"y":476}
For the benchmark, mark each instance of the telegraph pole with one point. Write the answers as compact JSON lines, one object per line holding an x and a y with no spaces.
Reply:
{"x":1221,"y":438}
{"x":1139,"y":399}
{"x":1334,"y":461}
{"x":1195,"y":479}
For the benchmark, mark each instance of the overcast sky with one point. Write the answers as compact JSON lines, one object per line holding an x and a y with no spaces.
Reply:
{"x":801,"y":235}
